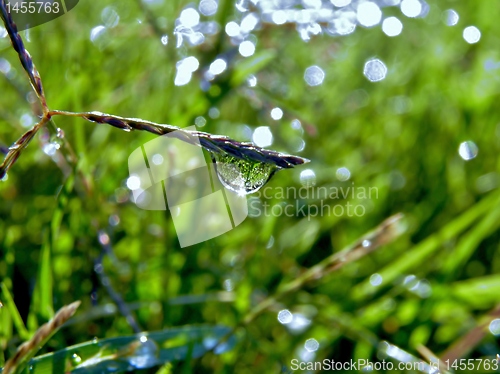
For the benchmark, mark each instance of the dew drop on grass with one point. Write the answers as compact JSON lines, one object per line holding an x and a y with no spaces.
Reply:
{"x":75,"y":359}
{"x":242,"y":176}
{"x":375,"y":70}
{"x":468,"y":150}
{"x":145,"y":354}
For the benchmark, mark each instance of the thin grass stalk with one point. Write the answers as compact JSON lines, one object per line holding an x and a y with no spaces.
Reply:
{"x":28,"y":349}
{"x":465,"y":344}
{"x":106,"y":282}
{"x":212,"y":143}
{"x":385,"y":233}
{"x":24,"y":55}
{"x":15,"y":150}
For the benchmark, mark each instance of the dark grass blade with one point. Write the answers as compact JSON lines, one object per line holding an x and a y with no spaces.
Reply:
{"x":212,"y":143}
{"x":24,"y":56}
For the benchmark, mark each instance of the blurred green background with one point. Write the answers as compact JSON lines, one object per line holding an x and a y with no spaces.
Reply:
{"x":401,"y":135}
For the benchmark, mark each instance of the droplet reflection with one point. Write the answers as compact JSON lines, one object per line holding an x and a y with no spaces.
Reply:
{"x":495,"y":326}
{"x":241,"y":176}
{"x":262,"y":136}
{"x":376,"y":279}
{"x":308,"y":178}
{"x":375,"y":70}
{"x":451,"y":17}
{"x":369,"y":14}
{"x":343,"y":174}
{"x":471,"y":34}
{"x":311,"y":345}
{"x":285,"y":316}
{"x":468,"y":150}
{"x":314,"y":75}
{"x":392,"y":26}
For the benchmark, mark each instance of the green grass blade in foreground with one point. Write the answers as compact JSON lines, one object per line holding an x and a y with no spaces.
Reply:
{"x":16,"y":317}
{"x":419,"y":253}
{"x":42,"y":300}
{"x":480,"y":292}
{"x":471,"y":240}
{"x":134,"y":352}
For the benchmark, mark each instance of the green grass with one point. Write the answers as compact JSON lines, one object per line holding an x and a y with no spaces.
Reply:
{"x":431,"y":285}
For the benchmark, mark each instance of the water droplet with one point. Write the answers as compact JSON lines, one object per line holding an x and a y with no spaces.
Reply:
{"x":189,"y":17}
{"x":249,"y":23}
{"x":314,"y":75}
{"x":242,"y":176}
{"x":343,"y":24}
{"x":262,"y":136}
{"x":366,"y":243}
{"x":214,"y":113}
{"x":185,"y":69}
{"x":56,"y":140}
{"x":468,"y":150}
{"x":4,"y":64}
{"x":110,"y":17}
{"x":114,"y":220}
{"x":247,"y":48}
{"x":276,"y":113}
{"x":285,"y":316}
{"x":60,"y":133}
{"x":50,"y":149}
{"x":75,"y":359}
{"x":157,"y":159}
{"x":252,"y":80}
{"x":242,"y":5}
{"x":133,"y":182}
{"x":376,"y":279}
{"x":369,"y":14}
{"x":410,"y":281}
{"x":392,"y":26}
{"x":145,"y":354}
{"x":218,"y":66}
{"x":340,"y":3}
{"x":308,"y":178}
{"x":232,"y":29}
{"x":495,"y":326}
{"x":451,"y":17}
{"x":411,"y":8}
{"x":200,"y":121}
{"x":343,"y":174}
{"x":279,"y":17}
{"x":311,"y":345}
{"x":375,"y":70}
{"x":299,"y":323}
{"x":208,"y":7}
{"x":164,"y":39}
{"x":96,"y":32}
{"x":471,"y":34}
{"x":103,"y":238}
{"x":228,"y":285}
